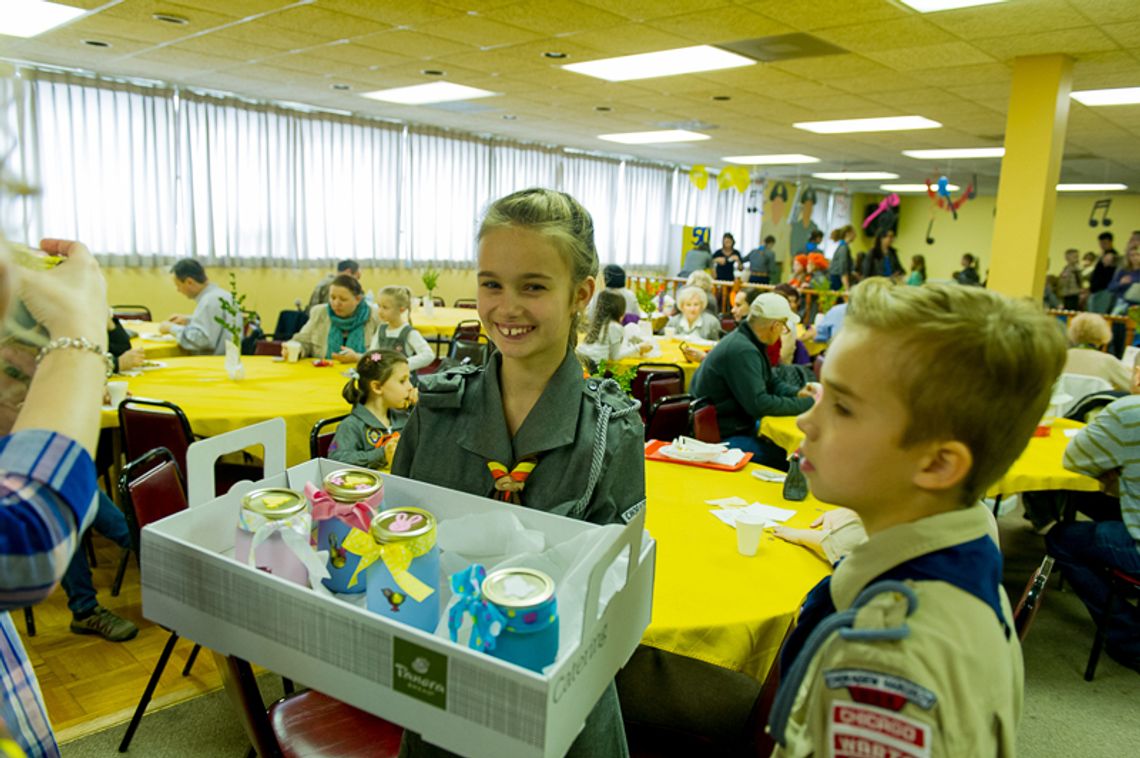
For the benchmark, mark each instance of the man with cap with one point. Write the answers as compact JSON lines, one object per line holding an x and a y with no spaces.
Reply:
{"x":737,"y":379}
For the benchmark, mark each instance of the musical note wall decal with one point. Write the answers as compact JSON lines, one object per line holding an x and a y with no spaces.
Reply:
{"x":1102,"y":206}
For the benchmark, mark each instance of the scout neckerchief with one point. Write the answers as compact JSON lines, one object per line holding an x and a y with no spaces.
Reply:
{"x":509,"y":483}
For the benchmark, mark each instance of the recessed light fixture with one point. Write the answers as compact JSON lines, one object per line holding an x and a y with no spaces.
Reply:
{"x":28,"y":18}
{"x":684,"y":60}
{"x":913,"y":187}
{"x":656,"y":137}
{"x":955,"y":152}
{"x":425,"y":94}
{"x":554,"y":54}
{"x":854,"y":125}
{"x":855,"y":176}
{"x":721,"y":98}
{"x":603,"y":108}
{"x":170,"y":18}
{"x":934,"y":6}
{"x":1092,"y":187}
{"x":1115,"y":96}
{"x":510,"y":117}
{"x":96,"y":43}
{"x":341,"y":87}
{"x":432,"y":72}
{"x":787,"y":159}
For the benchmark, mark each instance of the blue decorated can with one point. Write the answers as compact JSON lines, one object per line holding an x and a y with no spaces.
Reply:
{"x":526,"y":598}
{"x":403,"y":567}
{"x":355,"y":496}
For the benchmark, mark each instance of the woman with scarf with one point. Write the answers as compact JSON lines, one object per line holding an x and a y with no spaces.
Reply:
{"x":343,"y":328}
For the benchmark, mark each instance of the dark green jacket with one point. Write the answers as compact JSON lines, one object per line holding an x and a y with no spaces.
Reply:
{"x":458,"y":427}
{"x":358,"y":437}
{"x":737,"y":378}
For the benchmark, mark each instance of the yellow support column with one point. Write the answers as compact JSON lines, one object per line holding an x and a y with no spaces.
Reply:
{"x":1027,"y":191}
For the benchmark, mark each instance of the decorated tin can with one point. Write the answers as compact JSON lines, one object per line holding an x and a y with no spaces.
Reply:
{"x":401,"y":561}
{"x":526,"y":598}
{"x":273,"y":533}
{"x":348,"y":503}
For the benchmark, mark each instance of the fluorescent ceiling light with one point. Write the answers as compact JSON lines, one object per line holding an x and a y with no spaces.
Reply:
{"x":424,"y":94}
{"x":652,"y":138}
{"x":933,"y":6}
{"x":855,"y":176}
{"x":955,"y":152}
{"x":1102,"y":187}
{"x":787,"y":159}
{"x":913,"y":187}
{"x":1116,"y":96}
{"x":852,"y":125}
{"x":683,"y":60}
{"x":27,"y":18}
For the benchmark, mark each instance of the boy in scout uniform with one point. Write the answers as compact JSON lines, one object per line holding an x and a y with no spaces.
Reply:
{"x":909,"y":648}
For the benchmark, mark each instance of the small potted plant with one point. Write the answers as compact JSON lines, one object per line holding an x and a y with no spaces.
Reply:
{"x":233,"y":322}
{"x":430,"y":280}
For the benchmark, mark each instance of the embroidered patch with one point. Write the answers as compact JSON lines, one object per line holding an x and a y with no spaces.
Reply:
{"x":862,"y":731}
{"x":883,"y":690}
{"x":373,"y":436}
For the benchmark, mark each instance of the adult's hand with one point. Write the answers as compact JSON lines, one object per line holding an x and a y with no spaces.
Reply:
{"x":69,"y":300}
{"x":181,"y":319}
{"x":131,"y":359}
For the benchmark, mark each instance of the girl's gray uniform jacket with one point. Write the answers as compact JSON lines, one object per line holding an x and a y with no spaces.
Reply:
{"x":357,"y":436}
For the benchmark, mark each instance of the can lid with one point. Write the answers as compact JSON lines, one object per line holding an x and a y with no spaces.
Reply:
{"x":398,"y":524}
{"x":518,"y":587}
{"x":274,"y":502}
{"x":352,"y":484}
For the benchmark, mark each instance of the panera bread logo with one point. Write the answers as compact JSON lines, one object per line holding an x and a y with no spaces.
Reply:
{"x":419,"y":672}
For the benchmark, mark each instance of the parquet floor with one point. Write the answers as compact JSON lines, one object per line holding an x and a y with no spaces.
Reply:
{"x":90,"y":684}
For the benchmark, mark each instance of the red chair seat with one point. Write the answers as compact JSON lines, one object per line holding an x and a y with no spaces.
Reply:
{"x":309,"y":724}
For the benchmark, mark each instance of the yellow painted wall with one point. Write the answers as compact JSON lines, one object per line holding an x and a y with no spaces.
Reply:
{"x":973,"y":231}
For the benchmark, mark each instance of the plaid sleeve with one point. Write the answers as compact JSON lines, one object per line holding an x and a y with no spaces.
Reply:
{"x":47,"y":495}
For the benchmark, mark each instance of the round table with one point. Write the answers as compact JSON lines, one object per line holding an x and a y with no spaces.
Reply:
{"x":710,"y":602}
{"x":443,"y":321}
{"x":300,"y":393}
{"x":1037,"y":468}
{"x":154,"y":345}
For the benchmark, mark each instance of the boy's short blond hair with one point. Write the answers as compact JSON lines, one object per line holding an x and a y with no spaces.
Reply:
{"x":975,"y":366}
{"x":693,"y":293}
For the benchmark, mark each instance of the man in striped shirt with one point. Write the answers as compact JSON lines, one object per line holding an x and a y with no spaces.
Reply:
{"x":1107,"y":449}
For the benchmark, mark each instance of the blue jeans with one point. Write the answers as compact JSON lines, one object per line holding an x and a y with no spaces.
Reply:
{"x":764,"y":451}
{"x":76,"y":582}
{"x":1084,"y":550}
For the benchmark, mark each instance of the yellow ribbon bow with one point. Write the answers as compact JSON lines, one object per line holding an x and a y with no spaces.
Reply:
{"x":397,"y":557}
{"x":509,"y":483}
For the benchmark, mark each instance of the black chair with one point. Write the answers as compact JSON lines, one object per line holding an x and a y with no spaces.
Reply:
{"x":637,"y":384}
{"x":705,"y":426}
{"x":438,"y":301}
{"x":1120,"y":586}
{"x":668,"y":418}
{"x":466,"y":349}
{"x":268,"y":347}
{"x":469,"y":329}
{"x":1091,"y":404}
{"x":465,"y":302}
{"x":131,"y":312}
{"x":319,"y":440}
{"x":289,"y":323}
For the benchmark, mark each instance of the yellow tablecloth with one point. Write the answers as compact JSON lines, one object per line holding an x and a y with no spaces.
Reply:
{"x":1038,"y":468}
{"x":154,"y":349}
{"x":443,"y":321}
{"x":710,"y":602}
{"x":298,"y":392}
{"x":670,"y":353}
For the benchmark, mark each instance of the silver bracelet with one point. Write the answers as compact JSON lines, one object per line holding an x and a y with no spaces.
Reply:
{"x":77,"y":343}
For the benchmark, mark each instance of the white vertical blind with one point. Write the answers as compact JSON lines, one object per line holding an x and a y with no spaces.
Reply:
{"x":447,"y":193}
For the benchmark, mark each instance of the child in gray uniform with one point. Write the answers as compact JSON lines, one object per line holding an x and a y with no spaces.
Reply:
{"x":380,"y":394}
{"x":530,"y":404}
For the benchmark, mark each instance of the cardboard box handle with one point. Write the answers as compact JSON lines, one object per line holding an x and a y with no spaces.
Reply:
{"x":203,"y":454}
{"x":630,"y":537}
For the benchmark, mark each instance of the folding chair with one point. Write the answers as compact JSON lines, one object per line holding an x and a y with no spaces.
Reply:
{"x":268,"y":347}
{"x":131,"y":312}
{"x":668,"y":418}
{"x":474,"y":350}
{"x":320,"y":440}
{"x":151,"y":488}
{"x":637,"y":384}
{"x":1031,"y":598}
{"x":1120,"y":585}
{"x":466,"y":302}
{"x":289,"y":323}
{"x":727,"y":324}
{"x":705,"y":426}
{"x":659,"y":386}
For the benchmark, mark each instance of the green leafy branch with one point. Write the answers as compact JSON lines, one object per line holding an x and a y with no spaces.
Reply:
{"x":826,"y":295}
{"x":623,"y":375}
{"x":430,"y":279}
{"x":647,"y":300}
{"x":236,"y":312}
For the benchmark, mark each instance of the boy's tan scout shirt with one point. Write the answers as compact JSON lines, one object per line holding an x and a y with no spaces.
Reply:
{"x":951,"y":687}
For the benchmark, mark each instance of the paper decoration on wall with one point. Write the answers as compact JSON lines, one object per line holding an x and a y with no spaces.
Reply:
{"x":882,"y":217}
{"x":699,"y":176}
{"x":801,"y":222}
{"x":777,"y":203}
{"x":940,"y":194}
{"x":734,"y":176}
{"x":1102,"y":206}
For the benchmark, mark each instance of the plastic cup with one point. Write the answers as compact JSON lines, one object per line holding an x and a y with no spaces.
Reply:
{"x":749,"y":530}
{"x":670,"y":332}
{"x":117,"y":391}
{"x":292,"y":351}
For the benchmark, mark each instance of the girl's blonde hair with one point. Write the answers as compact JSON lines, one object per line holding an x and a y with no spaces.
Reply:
{"x":688,"y":293}
{"x":401,"y":296}
{"x":609,"y":307}
{"x":374,"y":366}
{"x":560,"y":219}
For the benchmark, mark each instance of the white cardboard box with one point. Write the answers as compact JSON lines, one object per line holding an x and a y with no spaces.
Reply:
{"x":460,"y":699}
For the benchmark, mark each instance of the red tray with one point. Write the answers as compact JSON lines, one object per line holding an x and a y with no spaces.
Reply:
{"x":653,"y":453}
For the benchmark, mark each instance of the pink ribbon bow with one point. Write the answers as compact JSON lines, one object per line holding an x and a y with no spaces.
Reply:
{"x":357,"y":515}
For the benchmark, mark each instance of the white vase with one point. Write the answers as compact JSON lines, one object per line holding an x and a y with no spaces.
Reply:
{"x":234,"y":366}
{"x":429,"y":306}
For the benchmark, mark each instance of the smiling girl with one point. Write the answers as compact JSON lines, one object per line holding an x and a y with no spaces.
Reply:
{"x":530,"y":408}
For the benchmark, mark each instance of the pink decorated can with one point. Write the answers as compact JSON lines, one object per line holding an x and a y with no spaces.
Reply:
{"x":273,"y":533}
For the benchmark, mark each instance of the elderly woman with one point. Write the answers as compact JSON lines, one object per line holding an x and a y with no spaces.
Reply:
{"x":342,"y":329}
{"x":1089,"y":334}
{"x":694,"y":320}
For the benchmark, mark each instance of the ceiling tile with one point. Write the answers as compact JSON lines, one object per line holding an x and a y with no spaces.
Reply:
{"x":555,"y":19}
{"x":875,"y":84}
{"x":310,"y":20}
{"x":247,"y":7}
{"x":144,"y":10}
{"x":412,"y":44}
{"x":357,"y":55}
{"x":143,"y":31}
{"x":866,"y":38}
{"x":824,"y":67}
{"x":259,"y":33}
{"x":187,"y":59}
{"x":1010,"y":18}
{"x":821,"y":14}
{"x":226,"y":47}
{"x":954,"y":74}
{"x":71,"y":37}
{"x":1086,"y":39}
{"x":1107,"y":12}
{"x":721,"y":25}
{"x":930,"y":56}
{"x":412,"y":13}
{"x":645,"y":10}
{"x":481,"y":32}
{"x":628,"y":40}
